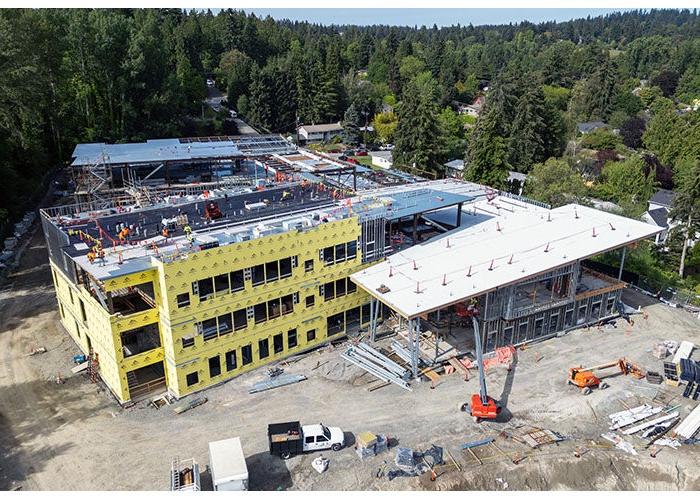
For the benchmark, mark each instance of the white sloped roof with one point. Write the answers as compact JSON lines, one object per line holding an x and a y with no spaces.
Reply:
{"x":517,"y":241}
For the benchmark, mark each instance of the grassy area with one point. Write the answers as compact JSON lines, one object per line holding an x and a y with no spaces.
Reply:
{"x":363,"y":160}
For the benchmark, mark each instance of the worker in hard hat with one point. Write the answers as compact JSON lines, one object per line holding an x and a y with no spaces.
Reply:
{"x":285,"y":195}
{"x":188,"y":233}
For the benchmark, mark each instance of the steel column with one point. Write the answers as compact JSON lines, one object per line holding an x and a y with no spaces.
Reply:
{"x":622,"y":263}
{"x":371,"y":320}
{"x":375,"y":318}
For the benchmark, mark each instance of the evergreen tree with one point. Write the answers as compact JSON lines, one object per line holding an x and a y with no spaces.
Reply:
{"x":486,"y":160}
{"x":526,"y":144}
{"x":417,"y":136}
{"x":351,"y":125}
{"x":686,"y":205}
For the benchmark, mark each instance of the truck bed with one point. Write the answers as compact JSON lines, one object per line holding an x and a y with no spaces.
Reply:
{"x":285,"y":437}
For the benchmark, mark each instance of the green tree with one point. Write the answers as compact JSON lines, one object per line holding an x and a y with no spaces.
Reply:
{"x":351,"y":125}
{"x":649,"y":96}
{"x":234,"y":72}
{"x":600,"y":139}
{"x":243,"y":105}
{"x":686,"y":205}
{"x":410,"y":66}
{"x":628,"y":183}
{"x":486,"y":159}
{"x":670,"y":136}
{"x":526,"y":145}
{"x":452,"y":131}
{"x":555,"y":182}
{"x":417,"y":135}
{"x":384,"y":125}
{"x":689,"y":85}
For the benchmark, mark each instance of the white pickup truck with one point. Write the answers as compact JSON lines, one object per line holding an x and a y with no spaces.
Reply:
{"x":291,"y":438}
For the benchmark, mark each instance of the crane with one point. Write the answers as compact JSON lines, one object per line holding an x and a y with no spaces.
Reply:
{"x":482,"y":407}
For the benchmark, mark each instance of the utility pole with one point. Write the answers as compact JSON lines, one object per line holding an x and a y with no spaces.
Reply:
{"x":364,"y":136}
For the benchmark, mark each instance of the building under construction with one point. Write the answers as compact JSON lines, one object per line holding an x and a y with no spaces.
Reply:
{"x":185,"y":286}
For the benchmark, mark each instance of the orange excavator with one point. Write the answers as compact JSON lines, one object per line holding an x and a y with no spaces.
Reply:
{"x":586,"y":380}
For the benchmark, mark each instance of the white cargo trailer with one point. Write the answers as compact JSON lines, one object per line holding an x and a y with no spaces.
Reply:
{"x":229,"y":471}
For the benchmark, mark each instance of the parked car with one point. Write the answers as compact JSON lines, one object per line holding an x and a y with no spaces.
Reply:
{"x":210,"y":82}
{"x":353,"y":160}
{"x":287,"y":439}
{"x":343,"y":158}
{"x":349,"y":152}
{"x":361,"y":153}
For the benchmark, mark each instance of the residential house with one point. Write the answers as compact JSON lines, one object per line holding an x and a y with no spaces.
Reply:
{"x":658,"y":213}
{"x":473,"y":109}
{"x":588,"y":127}
{"x":323,"y":132}
{"x":454,"y":168}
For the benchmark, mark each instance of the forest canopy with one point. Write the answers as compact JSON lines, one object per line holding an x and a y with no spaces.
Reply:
{"x":71,"y":76}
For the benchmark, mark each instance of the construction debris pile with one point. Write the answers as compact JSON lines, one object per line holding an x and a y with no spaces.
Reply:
{"x":412,"y":463}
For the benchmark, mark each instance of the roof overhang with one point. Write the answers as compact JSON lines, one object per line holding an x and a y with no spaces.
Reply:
{"x":512,"y":246}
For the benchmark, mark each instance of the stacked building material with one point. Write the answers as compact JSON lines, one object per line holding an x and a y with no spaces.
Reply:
{"x":660,"y":350}
{"x":275,"y":382}
{"x":650,"y":423}
{"x":690,"y":425}
{"x":684,"y":351}
{"x":690,"y":370}
{"x":369,"y":445}
{"x":375,"y":363}
{"x":629,"y":417}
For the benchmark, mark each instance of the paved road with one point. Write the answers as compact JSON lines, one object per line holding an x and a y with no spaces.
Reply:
{"x":214,"y":98}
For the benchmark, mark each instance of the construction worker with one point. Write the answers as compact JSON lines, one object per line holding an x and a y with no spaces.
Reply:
{"x":285,"y":195}
{"x":123,"y":234}
{"x":91,"y":256}
{"x":188,"y":233}
{"x":166,"y":233}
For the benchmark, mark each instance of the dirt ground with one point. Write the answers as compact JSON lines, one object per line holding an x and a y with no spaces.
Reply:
{"x":75,"y":437}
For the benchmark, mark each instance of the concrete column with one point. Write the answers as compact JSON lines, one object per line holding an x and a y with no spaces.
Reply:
{"x":415,"y":229}
{"x":459,"y":214}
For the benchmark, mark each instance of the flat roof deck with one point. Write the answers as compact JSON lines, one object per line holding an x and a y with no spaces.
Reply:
{"x":518,"y":241}
{"x":193,"y":149}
